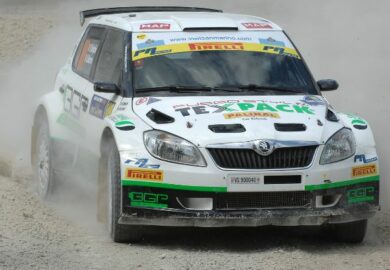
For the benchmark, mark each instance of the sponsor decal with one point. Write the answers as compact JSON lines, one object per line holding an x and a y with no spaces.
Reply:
{"x":215,"y":46}
{"x":211,"y":38}
{"x":87,"y":54}
{"x":364,"y":170}
{"x":144,"y":174}
{"x":109,"y":108}
{"x":312,"y":100}
{"x":141,"y":101}
{"x":144,"y":53}
{"x":155,"y":26}
{"x":237,"y":180}
{"x":141,"y":163}
{"x":256,"y":25}
{"x":150,"y":43}
{"x":74,"y":101}
{"x":246,"y":107}
{"x":210,"y":46}
{"x":364,"y":159}
{"x":147,"y":100}
{"x":251,"y":115}
{"x":122,"y":106}
{"x":141,"y":36}
{"x":233,"y":101}
{"x":364,"y":194}
{"x":146,"y":199}
{"x":101,"y":107}
{"x":272,"y":42}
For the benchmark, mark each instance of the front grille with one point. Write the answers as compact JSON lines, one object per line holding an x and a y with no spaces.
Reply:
{"x":246,"y":200}
{"x":281,"y":158}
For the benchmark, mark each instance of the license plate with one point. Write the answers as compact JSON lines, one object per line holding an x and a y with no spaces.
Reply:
{"x":244,"y":180}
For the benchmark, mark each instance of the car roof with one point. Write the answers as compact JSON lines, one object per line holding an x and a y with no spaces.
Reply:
{"x":184,"y":21}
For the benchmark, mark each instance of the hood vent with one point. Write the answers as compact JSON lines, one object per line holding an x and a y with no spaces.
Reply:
{"x":290,"y":127}
{"x":331,"y":116}
{"x":159,"y":117}
{"x":232,"y":128}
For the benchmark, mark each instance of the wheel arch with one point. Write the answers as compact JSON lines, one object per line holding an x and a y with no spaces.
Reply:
{"x":106,"y":135}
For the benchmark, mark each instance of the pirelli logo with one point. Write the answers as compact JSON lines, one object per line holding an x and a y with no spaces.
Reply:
{"x":144,"y":174}
{"x":251,"y":115}
{"x":213,"y":46}
{"x":364,"y":170}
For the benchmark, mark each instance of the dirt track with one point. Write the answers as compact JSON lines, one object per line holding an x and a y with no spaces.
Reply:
{"x":64,"y":235}
{"x":35,"y":236}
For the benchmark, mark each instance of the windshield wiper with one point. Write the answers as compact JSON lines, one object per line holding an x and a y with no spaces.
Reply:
{"x":255,"y":87}
{"x":176,"y":88}
{"x":226,"y":89}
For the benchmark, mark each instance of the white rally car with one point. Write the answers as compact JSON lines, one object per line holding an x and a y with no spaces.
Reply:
{"x":201,"y":118}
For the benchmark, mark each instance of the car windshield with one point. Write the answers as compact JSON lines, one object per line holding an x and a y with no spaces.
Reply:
{"x":267,"y":67}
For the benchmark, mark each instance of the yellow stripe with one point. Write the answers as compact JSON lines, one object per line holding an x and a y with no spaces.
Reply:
{"x":212,"y":46}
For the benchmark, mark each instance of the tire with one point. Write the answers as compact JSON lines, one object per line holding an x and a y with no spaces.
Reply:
{"x":352,"y":232}
{"x":113,"y":194}
{"x":43,"y":166}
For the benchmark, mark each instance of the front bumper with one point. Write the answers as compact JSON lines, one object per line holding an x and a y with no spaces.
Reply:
{"x":162,"y":207}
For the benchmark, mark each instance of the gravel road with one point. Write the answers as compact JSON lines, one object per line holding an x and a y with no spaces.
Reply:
{"x":34,"y":235}
{"x":35,"y":38}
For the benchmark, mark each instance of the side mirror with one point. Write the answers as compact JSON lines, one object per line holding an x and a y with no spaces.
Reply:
{"x":102,"y":87}
{"x":327,"y":85}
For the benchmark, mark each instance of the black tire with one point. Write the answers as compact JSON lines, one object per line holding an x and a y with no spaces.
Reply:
{"x":352,"y":232}
{"x":43,"y":166}
{"x":111,"y":169}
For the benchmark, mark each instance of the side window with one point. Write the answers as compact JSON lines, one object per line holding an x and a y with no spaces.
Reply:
{"x":110,"y":62}
{"x":87,"y":51}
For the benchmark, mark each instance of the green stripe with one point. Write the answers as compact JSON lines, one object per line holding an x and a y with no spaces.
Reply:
{"x":151,"y":205}
{"x":344,"y":183}
{"x":172,"y":186}
{"x":374,"y":178}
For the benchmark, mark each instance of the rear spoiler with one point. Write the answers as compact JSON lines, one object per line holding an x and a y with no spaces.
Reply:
{"x":105,"y":11}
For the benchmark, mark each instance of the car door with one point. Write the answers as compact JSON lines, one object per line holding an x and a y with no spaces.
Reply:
{"x":71,"y":82}
{"x":108,"y":69}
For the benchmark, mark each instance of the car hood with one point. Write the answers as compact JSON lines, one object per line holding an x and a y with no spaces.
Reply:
{"x":205,"y":120}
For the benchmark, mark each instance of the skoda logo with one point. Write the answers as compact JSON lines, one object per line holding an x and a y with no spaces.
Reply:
{"x":264,"y":147}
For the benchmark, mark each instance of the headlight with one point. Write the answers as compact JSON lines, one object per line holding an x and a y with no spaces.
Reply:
{"x":340,"y":146}
{"x":168,"y":147}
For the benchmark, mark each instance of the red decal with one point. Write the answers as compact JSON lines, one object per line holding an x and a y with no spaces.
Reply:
{"x":257,"y":25}
{"x":141,"y":101}
{"x":153,"y":26}
{"x":204,"y":46}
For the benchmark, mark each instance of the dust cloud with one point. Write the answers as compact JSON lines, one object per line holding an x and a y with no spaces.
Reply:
{"x":342,"y":40}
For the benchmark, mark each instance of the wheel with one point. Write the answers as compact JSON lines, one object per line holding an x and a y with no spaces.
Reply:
{"x":352,"y":232}
{"x":113,"y":191}
{"x":43,"y":167}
